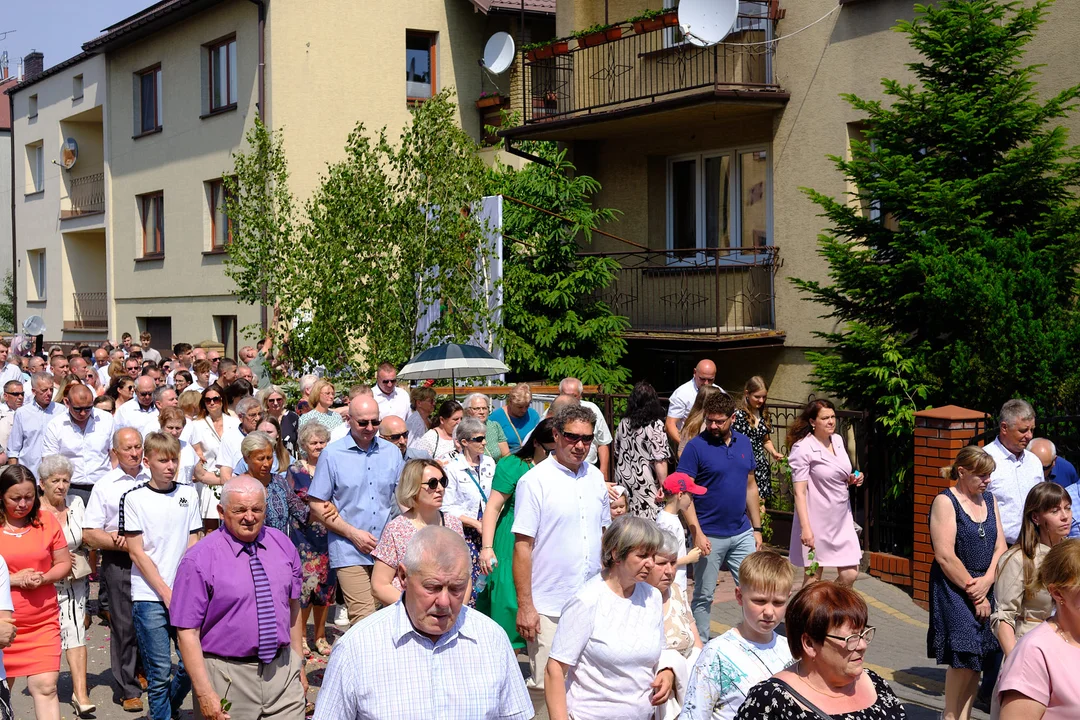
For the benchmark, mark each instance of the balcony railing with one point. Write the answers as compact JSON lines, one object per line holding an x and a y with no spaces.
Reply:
{"x":91,"y":312}
{"x":705,"y":293}
{"x":87,"y":196}
{"x":647,"y":67}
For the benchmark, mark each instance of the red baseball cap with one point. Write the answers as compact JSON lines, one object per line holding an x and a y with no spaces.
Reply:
{"x":681,"y":482}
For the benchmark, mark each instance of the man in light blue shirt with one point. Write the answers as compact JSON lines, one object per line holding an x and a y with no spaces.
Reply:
{"x":1061,"y":471}
{"x":461,"y":659}
{"x":356,"y":476}
{"x":28,"y":428}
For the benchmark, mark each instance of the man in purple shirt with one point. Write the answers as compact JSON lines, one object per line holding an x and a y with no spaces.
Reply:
{"x":230,"y":638}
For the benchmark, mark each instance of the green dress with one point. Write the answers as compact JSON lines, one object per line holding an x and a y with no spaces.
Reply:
{"x":499,"y":599}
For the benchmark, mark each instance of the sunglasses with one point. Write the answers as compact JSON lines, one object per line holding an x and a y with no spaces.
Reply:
{"x":434,"y":483}
{"x":395,"y":437}
{"x":478,"y":438}
{"x":88,"y":408}
{"x":575,"y":438}
{"x":276,"y":401}
{"x":388,"y":381}
{"x":146,"y":394}
{"x":18,"y":394}
{"x":214,"y":399}
{"x":365,"y":423}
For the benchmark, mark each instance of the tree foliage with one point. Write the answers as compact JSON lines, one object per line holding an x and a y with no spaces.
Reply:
{"x":954,"y":268}
{"x":554,"y":323}
{"x":7,"y":303}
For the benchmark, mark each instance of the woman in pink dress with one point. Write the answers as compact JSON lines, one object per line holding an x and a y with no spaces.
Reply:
{"x":821,"y":474}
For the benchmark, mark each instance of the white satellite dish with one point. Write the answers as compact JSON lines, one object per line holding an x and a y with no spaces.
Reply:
{"x":707,"y":22}
{"x":499,"y":52}
{"x":34,"y":325}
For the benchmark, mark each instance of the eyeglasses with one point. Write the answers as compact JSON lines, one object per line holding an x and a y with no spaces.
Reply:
{"x":851,"y":642}
{"x":434,"y":483}
{"x":365,"y":423}
{"x":478,"y":438}
{"x":214,"y":399}
{"x":88,"y":408}
{"x":395,"y":437}
{"x":145,"y":394}
{"x":575,"y":438}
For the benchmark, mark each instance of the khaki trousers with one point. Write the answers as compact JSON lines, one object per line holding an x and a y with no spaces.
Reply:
{"x":355,"y":584}
{"x":259,"y":690}
{"x":539,"y":649}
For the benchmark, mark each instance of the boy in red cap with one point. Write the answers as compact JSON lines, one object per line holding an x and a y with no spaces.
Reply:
{"x":678,"y":489}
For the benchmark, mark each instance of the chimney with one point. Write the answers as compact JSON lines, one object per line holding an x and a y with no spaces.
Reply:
{"x":34,"y":64}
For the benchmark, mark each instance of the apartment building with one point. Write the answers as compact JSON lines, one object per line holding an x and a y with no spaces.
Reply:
{"x":184,"y":81}
{"x":6,"y":83}
{"x":704,"y":152}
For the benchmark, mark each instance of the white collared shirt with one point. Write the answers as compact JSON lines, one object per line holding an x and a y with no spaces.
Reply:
{"x":601,"y":433}
{"x":103,"y":510}
{"x":1010,"y":483}
{"x":87,"y":448}
{"x":469,"y":673}
{"x":28,"y":432}
{"x":396,"y":403}
{"x":10,"y":372}
{"x":565,"y":513}
{"x":133,"y":415}
{"x":683,"y":399}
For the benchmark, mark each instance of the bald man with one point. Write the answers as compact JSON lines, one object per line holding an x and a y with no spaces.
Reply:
{"x":357,"y":475}
{"x":1061,"y":471}
{"x":394,"y":430}
{"x":140,"y":412}
{"x":84,"y":436}
{"x":684,"y":396}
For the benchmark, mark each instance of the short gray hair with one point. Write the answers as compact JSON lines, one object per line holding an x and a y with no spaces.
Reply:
{"x":469,"y":427}
{"x":669,"y":544}
{"x":40,"y":377}
{"x":468,"y":401}
{"x":441,"y":545}
{"x":240,"y":485}
{"x":569,"y":381}
{"x":244,"y":404}
{"x":254,"y":441}
{"x":309,"y":431}
{"x":309,"y":380}
{"x":160,"y":392}
{"x":1014,"y":411}
{"x":53,"y":465}
{"x":626,"y":534}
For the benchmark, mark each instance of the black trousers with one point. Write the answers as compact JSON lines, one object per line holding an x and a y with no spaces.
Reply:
{"x":115,"y":571}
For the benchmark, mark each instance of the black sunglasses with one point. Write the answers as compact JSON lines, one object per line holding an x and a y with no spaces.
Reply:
{"x":434,"y":483}
{"x":88,"y":408}
{"x":478,"y":438}
{"x":365,"y":423}
{"x":575,"y":438}
{"x":214,"y":399}
{"x":395,"y":437}
{"x":15,"y":394}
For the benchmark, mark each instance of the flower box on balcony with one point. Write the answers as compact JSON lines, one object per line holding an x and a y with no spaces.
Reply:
{"x":648,"y":25}
{"x":489,"y":101}
{"x":600,"y":37}
{"x":561,"y":47}
{"x":670,"y":19}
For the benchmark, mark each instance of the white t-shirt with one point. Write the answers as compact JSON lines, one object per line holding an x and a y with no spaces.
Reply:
{"x":165,"y":520}
{"x":726,"y":670}
{"x":565,"y":513}
{"x":671,"y":523}
{"x":204,"y":435}
{"x":5,"y":603}
{"x":682,"y":400}
{"x":103,"y":510}
{"x":396,"y":403}
{"x":612,"y":645}
{"x":229,"y":455}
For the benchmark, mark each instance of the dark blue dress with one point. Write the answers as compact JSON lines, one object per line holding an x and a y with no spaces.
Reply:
{"x":956,"y":637}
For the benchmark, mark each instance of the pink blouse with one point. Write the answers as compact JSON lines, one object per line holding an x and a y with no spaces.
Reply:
{"x":396,"y":536}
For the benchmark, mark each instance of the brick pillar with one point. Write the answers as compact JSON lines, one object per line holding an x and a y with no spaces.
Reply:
{"x":939,"y":434}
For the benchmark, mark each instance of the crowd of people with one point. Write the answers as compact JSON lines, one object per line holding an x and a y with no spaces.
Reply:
{"x":220,"y":519}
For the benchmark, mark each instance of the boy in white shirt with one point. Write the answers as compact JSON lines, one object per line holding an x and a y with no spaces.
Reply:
{"x":160,"y":520}
{"x":679,"y":489}
{"x":751,"y":651}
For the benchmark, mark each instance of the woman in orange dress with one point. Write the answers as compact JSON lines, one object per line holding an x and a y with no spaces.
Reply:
{"x":33,"y":545}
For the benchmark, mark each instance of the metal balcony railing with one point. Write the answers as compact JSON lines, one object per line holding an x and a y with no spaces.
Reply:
{"x":91,"y":311}
{"x":703,"y":293}
{"x":628,"y":68}
{"x":87,"y":196}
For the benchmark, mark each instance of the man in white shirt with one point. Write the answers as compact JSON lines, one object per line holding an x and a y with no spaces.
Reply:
{"x":1018,"y":469}
{"x":10,"y":371}
{"x":28,"y":429}
{"x":101,"y":523}
{"x":392,"y":399}
{"x":600,"y":450}
{"x":140,"y":412}
{"x":84,"y":436}
{"x":561,"y":510}
{"x":684,"y":396}
{"x":13,"y":398}
{"x":58,"y":366}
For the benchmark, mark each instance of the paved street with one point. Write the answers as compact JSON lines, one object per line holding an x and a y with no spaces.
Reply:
{"x":898,"y":654}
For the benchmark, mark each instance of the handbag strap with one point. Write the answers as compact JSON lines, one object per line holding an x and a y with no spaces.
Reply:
{"x":821,"y":714}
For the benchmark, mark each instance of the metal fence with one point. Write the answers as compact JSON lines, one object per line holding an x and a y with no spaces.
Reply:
{"x":91,"y":311}
{"x":87,"y":196}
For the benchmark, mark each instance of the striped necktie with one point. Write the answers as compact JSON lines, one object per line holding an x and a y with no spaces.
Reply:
{"x":264,"y":603}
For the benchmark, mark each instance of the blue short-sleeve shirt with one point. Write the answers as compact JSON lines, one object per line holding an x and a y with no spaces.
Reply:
{"x":722,"y":470}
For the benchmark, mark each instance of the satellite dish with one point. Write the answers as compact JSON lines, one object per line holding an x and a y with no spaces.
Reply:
{"x":499,"y":52}
{"x":707,"y":22}
{"x":69,"y":153}
{"x":34,"y":325}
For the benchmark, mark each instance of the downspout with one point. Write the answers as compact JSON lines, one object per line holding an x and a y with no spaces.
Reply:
{"x":14,"y":253}
{"x":261,"y":106}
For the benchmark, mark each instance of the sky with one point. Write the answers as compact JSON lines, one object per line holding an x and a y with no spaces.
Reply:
{"x":57,"y":28}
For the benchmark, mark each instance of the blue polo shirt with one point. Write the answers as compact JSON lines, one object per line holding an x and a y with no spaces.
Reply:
{"x":516,"y":428}
{"x":361,"y":486}
{"x":1065,"y":475}
{"x":722,"y":470}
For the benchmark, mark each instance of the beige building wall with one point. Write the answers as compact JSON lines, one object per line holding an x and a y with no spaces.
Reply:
{"x":5,"y":193}
{"x":73,"y":247}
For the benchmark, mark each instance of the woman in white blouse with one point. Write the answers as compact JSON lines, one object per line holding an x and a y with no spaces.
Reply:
{"x":438,"y":442}
{"x":469,"y":473}
{"x":206,"y":435}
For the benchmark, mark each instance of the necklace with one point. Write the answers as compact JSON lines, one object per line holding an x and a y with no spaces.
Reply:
{"x":1067,"y":637}
{"x":815,"y":689}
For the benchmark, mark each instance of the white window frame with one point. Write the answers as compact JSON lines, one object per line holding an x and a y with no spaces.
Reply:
{"x":39,"y":278}
{"x":734,"y":200}
{"x":35,"y":167}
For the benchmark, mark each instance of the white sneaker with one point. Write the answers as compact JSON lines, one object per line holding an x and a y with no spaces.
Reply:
{"x":341,"y":616}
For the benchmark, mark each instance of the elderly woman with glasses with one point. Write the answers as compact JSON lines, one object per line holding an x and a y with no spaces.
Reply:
{"x":478,"y":405}
{"x":420,"y":491}
{"x":469,"y":473}
{"x":272,"y":400}
{"x":828,"y":634}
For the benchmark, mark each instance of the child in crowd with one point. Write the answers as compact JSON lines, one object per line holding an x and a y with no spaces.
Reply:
{"x":618,"y":505}
{"x":751,"y":651}
{"x":161,"y":520}
{"x":678,"y":491}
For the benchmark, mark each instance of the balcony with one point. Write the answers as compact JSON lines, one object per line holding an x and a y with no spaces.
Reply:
{"x":85,"y":197}
{"x":653,"y":70}
{"x":90,"y":312}
{"x":716,"y":294}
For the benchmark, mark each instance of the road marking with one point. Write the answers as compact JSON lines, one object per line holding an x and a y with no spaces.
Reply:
{"x":718,"y":628}
{"x":889,"y":610}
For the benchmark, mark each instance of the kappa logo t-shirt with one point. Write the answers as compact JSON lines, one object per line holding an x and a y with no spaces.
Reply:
{"x":165,"y":519}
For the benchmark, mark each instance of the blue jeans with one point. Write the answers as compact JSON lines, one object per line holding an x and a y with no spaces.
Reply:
{"x":156,"y":638}
{"x":732,"y":550}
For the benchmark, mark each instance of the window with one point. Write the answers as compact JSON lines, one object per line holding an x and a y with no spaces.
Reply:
{"x":419,"y":65}
{"x":76,"y":87}
{"x":35,"y":167}
{"x":222,"y":80}
{"x":152,"y":219}
{"x":148,"y":115}
{"x":32,"y":109}
{"x":719,"y":200}
{"x":38,"y":276}
{"x":225,"y":326}
{"x":220,"y":224}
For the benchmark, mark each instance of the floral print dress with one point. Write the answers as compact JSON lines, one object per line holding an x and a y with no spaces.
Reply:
{"x":309,"y":535}
{"x":758,"y":435}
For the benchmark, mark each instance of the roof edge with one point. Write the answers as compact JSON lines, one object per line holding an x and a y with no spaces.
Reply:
{"x":151,"y":20}
{"x":73,"y":60}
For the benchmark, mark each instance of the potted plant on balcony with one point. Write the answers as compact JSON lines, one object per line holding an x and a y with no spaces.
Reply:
{"x":651,"y":20}
{"x":545,"y":50}
{"x":489,"y":99}
{"x":598,"y":35}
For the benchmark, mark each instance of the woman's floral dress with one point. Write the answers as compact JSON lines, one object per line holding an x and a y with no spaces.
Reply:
{"x":309,"y":535}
